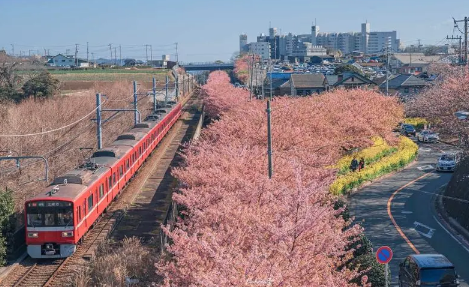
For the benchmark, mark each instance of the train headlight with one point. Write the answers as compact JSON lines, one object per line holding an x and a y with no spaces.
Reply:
{"x":67,"y":234}
{"x":33,"y":235}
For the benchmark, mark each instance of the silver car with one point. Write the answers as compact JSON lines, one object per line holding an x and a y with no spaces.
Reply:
{"x":448,"y":162}
{"x":427,"y":136}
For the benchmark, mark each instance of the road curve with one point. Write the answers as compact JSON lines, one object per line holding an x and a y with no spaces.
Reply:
{"x":398,"y":211}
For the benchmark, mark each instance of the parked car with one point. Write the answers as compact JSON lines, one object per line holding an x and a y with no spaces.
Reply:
{"x":427,"y":136}
{"x":448,"y":162}
{"x":408,"y":129}
{"x":427,"y":270}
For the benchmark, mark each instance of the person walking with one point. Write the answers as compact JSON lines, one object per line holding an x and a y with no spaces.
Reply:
{"x":361,"y":164}
{"x":354,"y":164}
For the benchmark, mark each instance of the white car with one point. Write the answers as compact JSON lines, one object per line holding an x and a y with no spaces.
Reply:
{"x":427,"y":136}
{"x":448,"y":162}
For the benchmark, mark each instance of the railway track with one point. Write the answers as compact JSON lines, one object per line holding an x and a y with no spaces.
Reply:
{"x":31,"y":272}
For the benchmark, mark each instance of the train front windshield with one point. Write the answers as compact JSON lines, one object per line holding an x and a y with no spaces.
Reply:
{"x":49,"y":213}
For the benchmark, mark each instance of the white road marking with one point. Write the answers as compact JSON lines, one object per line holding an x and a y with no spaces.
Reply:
{"x":454,"y":237}
{"x":426,"y":149}
{"x":430,"y":232}
{"x":425,"y":167}
{"x":406,"y":212}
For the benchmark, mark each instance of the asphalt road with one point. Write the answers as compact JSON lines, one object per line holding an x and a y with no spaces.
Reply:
{"x":412,"y":208}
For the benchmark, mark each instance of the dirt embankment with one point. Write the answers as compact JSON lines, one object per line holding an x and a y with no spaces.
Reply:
{"x":457,"y":195}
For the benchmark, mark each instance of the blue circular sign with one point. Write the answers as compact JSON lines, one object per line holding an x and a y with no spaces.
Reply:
{"x":384,"y":254}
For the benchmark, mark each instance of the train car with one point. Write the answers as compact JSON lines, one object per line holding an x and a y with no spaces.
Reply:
{"x":59,"y":217}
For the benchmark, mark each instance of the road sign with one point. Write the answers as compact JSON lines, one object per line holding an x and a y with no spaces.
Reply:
{"x":384,"y":255}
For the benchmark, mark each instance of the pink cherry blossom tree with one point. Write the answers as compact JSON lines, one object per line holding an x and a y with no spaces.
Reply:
{"x":220,"y":95}
{"x":439,"y":103}
{"x":238,"y":227}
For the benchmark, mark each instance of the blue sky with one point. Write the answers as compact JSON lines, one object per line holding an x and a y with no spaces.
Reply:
{"x":207,"y":30}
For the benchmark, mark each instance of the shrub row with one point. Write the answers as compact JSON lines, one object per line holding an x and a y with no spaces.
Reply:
{"x":418,"y":123}
{"x":407,"y":150}
{"x":377,"y":151}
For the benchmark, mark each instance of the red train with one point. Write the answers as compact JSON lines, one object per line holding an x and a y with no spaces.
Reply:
{"x":58,"y":218}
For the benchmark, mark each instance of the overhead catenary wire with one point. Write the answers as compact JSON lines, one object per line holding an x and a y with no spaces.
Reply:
{"x":53,"y":130}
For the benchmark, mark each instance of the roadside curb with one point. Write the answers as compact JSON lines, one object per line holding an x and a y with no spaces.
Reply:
{"x":450,"y":223}
{"x":6,"y":270}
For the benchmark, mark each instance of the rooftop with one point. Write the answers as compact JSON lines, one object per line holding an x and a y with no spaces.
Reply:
{"x":432,"y":261}
{"x":404,"y":81}
{"x":308,"y":80}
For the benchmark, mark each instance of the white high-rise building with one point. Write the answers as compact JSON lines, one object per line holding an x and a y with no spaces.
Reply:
{"x":364,"y":37}
{"x":243,"y":42}
{"x":314,"y":34}
{"x":260,"y":48}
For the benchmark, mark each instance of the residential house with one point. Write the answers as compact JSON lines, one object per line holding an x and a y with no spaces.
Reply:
{"x":66,"y":61}
{"x":404,"y":86}
{"x":350,"y":80}
{"x":306,"y":84}
{"x":278,"y":87}
{"x":411,"y":62}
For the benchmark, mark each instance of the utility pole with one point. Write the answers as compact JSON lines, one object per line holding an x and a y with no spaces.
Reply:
{"x":115,"y":56}
{"x":13,"y":49}
{"x":99,"y":133}
{"x":460,"y":47}
{"x":135,"y":103}
{"x":166,"y":91}
{"x":76,"y":55}
{"x":465,"y":36}
{"x":87,"y":53}
{"x":146,"y":53}
{"x":387,"y":65}
{"x":154,"y":94}
{"x":269,"y":139}
{"x":177,"y":56}
{"x":110,"y":49}
{"x":271,"y":79}
{"x":120,"y":55}
{"x":151,"y":53}
{"x":263,"y":78}
{"x":251,"y":74}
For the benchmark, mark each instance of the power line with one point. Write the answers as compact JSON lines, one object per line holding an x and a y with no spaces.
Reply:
{"x":57,"y":129}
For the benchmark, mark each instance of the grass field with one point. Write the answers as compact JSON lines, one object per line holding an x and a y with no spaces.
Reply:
{"x":109,"y":75}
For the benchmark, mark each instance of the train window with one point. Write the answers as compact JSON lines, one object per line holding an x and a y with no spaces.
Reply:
{"x":79,"y":212}
{"x":114,"y":178}
{"x":140,"y":151}
{"x":135,"y":156}
{"x":49,"y":213}
{"x":121,"y":172}
{"x":127,"y":164}
{"x":90,"y":203}
{"x":110,"y":182}
{"x":101,"y":190}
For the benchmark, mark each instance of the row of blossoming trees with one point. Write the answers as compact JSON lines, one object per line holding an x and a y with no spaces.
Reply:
{"x":240,"y":228}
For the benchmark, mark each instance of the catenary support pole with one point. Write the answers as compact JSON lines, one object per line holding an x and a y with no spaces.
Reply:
{"x":166,"y":91}
{"x":465,"y":40}
{"x":135,"y":103}
{"x":269,"y":139}
{"x":154,"y":94}
{"x":99,"y":133}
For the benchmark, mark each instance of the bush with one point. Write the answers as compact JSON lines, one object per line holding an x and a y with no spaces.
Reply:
{"x":407,"y":151}
{"x":41,"y":86}
{"x":376,"y":270}
{"x":113,"y":265}
{"x":372,"y":154}
{"x":418,"y":123}
{"x":7,"y":207}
